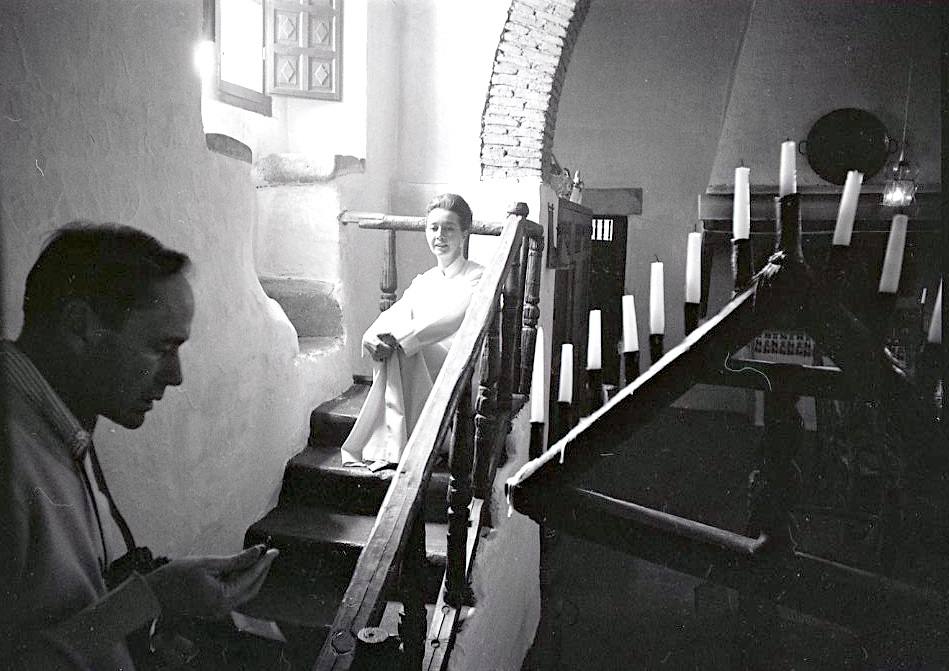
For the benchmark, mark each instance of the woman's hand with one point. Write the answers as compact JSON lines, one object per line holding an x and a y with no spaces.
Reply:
{"x":381,"y":346}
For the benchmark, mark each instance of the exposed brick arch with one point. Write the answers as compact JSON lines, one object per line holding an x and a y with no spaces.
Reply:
{"x":520,"y":114}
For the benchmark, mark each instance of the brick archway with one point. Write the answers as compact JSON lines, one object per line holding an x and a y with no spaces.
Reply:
{"x":520,"y":113}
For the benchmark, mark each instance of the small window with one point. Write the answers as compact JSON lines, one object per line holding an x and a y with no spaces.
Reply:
{"x":239,"y":36}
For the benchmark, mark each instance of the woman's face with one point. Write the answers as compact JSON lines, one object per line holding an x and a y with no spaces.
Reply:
{"x":444,"y":235}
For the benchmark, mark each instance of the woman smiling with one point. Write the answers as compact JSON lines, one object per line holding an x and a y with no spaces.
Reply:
{"x":410,"y":341}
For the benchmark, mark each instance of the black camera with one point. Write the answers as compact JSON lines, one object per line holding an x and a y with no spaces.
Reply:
{"x":138,"y":560}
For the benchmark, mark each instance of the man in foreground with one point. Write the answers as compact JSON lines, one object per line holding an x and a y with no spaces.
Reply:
{"x":106,"y":309}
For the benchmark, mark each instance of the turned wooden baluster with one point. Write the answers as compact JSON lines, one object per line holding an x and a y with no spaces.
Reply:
{"x":510,"y":329}
{"x":390,"y":278}
{"x":486,"y":411}
{"x":411,"y":583}
{"x":531,"y":310}
{"x":461,"y":462}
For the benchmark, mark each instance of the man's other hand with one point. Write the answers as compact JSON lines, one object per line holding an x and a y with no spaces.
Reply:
{"x":210,"y":586}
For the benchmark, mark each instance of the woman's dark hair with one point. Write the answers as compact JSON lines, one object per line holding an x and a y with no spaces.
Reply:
{"x":453,"y":203}
{"x":110,"y":266}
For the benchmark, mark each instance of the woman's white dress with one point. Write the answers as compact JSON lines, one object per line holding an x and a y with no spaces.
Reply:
{"x":423,"y":322}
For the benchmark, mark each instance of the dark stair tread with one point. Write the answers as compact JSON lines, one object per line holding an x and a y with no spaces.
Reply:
{"x":289,"y":525}
{"x":332,"y":420}
{"x":292,"y":596}
{"x":317,"y":477}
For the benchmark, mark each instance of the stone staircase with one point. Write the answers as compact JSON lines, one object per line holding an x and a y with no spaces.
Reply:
{"x":321,"y":523}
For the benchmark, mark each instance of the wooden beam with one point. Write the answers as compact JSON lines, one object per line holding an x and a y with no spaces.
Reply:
{"x":798,"y":580}
{"x":818,"y":211}
{"x":635,"y":405}
{"x":405,"y":495}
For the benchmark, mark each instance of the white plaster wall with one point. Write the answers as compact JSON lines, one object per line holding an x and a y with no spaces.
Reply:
{"x":642,"y":106}
{"x":801,"y":60}
{"x":101,"y":119}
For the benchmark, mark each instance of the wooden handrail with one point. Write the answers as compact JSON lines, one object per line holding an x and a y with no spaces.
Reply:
{"x":403,"y":502}
{"x":397,"y":222}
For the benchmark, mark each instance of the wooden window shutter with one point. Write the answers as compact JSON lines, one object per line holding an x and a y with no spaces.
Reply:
{"x":304,"y":48}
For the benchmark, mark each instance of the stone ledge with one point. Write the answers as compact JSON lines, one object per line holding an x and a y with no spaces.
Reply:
{"x":309,"y":305}
{"x":284,"y":169}
{"x":228,"y":146}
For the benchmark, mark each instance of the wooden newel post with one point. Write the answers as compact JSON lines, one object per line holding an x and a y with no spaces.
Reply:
{"x":411,"y":580}
{"x":390,"y":278}
{"x":531,"y":310}
{"x":461,"y":462}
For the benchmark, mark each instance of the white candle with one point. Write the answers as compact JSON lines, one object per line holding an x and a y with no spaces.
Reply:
{"x":893,"y":261}
{"x":630,"y":329}
{"x":848,"y":208}
{"x":565,"y":394}
{"x":538,"y":378}
{"x":935,"y":326}
{"x":787,"y":175}
{"x":741,"y":208}
{"x":594,"y":342}
{"x":693,"y":269}
{"x":657,"y":313}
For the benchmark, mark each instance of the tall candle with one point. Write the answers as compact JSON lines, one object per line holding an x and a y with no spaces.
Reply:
{"x":693,"y":269}
{"x":594,"y":342}
{"x":565,"y":393}
{"x":787,"y":175}
{"x":935,"y":326}
{"x":893,"y":261}
{"x":741,"y":208}
{"x":630,"y":328}
{"x":657,"y":313}
{"x":848,"y":208}
{"x":538,"y":397}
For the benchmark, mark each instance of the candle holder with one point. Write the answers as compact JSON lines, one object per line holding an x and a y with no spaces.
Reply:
{"x":536,"y":446}
{"x":742,"y":266}
{"x":656,"y":347}
{"x":630,"y":367}
{"x":881,"y":313}
{"x":787,"y":219}
{"x":595,"y":389}
{"x":838,"y":262}
{"x":691,"y":314}
{"x":564,"y":419}
{"x":929,"y":382}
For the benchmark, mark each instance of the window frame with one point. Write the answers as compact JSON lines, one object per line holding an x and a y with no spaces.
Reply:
{"x":228,"y":92}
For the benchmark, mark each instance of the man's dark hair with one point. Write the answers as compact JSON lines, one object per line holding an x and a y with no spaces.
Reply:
{"x":110,"y":266}
{"x":453,"y":203}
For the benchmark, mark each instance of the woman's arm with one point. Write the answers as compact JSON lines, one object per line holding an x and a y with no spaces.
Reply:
{"x":433,"y":325}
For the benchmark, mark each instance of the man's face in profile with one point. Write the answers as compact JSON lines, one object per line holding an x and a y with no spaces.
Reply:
{"x":131,"y":365}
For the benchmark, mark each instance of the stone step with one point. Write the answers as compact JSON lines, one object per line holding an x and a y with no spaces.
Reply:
{"x":317,"y":477}
{"x":331,"y":421}
{"x":323,"y":545}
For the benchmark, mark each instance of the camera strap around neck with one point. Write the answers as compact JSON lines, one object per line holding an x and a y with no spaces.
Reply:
{"x":114,"y":509}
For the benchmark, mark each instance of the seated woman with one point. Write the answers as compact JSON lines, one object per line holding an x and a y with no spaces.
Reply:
{"x":410,"y":341}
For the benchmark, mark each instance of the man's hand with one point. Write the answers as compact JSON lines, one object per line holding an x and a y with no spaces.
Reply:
{"x":381,"y":346}
{"x":210,"y":586}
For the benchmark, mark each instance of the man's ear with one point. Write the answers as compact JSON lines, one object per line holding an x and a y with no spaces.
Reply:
{"x":81,"y":326}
